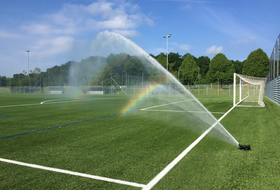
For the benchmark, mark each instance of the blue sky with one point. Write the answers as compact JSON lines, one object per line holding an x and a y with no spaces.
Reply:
{"x":57,"y":31}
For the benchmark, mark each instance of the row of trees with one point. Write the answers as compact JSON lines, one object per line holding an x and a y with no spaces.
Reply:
{"x":219,"y":68}
{"x":97,"y":70}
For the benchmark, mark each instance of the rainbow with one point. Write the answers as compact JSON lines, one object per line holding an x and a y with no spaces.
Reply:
{"x":139,"y":97}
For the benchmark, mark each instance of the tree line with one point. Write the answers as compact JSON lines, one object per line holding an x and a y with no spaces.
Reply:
{"x":98,"y":70}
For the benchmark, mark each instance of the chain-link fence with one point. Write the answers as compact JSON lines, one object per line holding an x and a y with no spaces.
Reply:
{"x":169,"y":89}
{"x":272,"y":87}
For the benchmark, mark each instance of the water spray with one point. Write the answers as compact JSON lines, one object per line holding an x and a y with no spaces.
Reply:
{"x":107,"y":43}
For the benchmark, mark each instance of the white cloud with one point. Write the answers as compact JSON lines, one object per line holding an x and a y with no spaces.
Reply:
{"x":100,"y":7}
{"x":60,"y":36}
{"x":127,"y":33}
{"x":185,"y":47}
{"x":8,"y":35}
{"x":157,"y":51}
{"x":245,"y":41}
{"x":73,"y":19}
{"x":214,"y":50}
{"x":226,"y":22}
{"x":50,"y":47}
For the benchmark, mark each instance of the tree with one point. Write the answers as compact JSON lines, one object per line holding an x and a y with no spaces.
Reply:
{"x":184,"y":56}
{"x":238,"y":66}
{"x":133,"y":66}
{"x":256,"y":64}
{"x":161,"y":58}
{"x":188,"y":70}
{"x":220,"y":68}
{"x":19,"y":80}
{"x":154,"y":75}
{"x":203,"y":63}
{"x":4,"y":81}
{"x":175,"y":61}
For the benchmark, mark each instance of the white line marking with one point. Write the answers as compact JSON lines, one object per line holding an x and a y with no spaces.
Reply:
{"x":36,"y":104}
{"x":184,"y":111}
{"x":248,"y":106}
{"x":58,"y":101}
{"x":73,"y":173}
{"x":165,"y":104}
{"x":50,"y":101}
{"x":156,"y":179}
{"x":9,"y":106}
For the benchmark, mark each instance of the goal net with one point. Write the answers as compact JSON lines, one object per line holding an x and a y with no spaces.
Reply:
{"x":54,"y":89}
{"x":248,"y":91}
{"x":94,"y":90}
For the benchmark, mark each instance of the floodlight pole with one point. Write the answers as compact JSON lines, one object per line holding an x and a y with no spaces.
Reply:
{"x":167,"y":36}
{"x":28,"y":70}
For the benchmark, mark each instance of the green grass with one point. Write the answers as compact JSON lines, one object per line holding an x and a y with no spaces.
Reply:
{"x":214,"y":165}
{"x":134,"y":146}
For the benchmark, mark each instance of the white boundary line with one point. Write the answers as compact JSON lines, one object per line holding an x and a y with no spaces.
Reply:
{"x":75,"y":100}
{"x":55,"y":102}
{"x":185,"y":111}
{"x":156,"y":179}
{"x":73,"y":173}
{"x":164,"y":104}
{"x":19,"y":105}
{"x":61,"y":101}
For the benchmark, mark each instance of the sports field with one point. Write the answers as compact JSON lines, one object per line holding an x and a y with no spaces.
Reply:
{"x":57,"y":142}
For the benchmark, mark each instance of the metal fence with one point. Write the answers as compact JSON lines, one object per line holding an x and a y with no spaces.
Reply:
{"x":21,"y":89}
{"x":272,"y":88}
{"x":197,"y":90}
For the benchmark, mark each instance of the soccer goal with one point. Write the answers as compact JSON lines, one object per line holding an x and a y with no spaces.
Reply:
{"x":94,"y":90}
{"x":54,"y":89}
{"x":248,"y":91}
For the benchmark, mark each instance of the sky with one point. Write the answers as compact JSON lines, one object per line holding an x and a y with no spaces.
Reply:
{"x":58,"y":31}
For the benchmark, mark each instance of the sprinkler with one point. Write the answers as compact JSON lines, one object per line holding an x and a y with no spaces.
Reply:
{"x":244,"y":147}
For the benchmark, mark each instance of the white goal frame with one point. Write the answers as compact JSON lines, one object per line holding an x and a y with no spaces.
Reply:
{"x":253,"y":84}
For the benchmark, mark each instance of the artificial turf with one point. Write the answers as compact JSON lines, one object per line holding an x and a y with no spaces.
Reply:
{"x":217,"y":165}
{"x":135,"y":146}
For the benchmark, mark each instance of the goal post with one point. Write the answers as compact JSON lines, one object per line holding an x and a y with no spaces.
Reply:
{"x":248,"y":91}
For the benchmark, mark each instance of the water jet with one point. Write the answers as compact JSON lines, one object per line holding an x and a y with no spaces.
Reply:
{"x":159,"y":90}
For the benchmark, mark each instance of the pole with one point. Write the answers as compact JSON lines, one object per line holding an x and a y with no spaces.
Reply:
{"x":167,"y":56}
{"x":167,"y":36}
{"x":48,"y":77}
{"x":198,"y":83}
{"x":28,"y":70}
{"x":40,"y":84}
{"x":234,"y":90}
{"x":240,"y":88}
{"x":218,"y":86}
